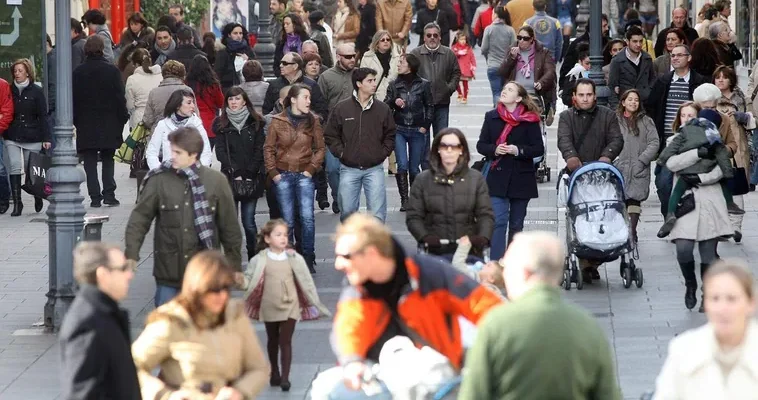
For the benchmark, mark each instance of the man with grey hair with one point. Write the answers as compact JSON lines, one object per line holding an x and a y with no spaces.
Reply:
{"x":723,"y":38}
{"x":95,"y":346}
{"x":538,"y":325}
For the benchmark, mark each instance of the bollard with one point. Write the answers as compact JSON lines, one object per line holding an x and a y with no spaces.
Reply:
{"x":93,"y":227}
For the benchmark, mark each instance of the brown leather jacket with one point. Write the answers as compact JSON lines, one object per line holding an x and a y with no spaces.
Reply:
{"x":394,"y":16}
{"x":292,"y":149}
{"x":544,"y":70}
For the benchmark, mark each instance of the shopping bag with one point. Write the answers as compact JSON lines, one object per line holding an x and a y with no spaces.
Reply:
{"x":36,"y":175}
{"x":125,"y":153}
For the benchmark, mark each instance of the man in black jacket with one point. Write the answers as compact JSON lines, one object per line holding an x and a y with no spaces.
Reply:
{"x":361,"y":134}
{"x":185,"y":51}
{"x":678,"y":21}
{"x":669,"y":92}
{"x":442,"y":14}
{"x":292,"y":67}
{"x":95,"y":347}
{"x":631,"y":68}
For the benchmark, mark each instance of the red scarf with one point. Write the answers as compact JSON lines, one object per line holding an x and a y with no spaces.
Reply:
{"x":512,"y":119}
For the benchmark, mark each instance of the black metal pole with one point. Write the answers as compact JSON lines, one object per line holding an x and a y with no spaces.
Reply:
{"x":264,"y":47}
{"x":66,"y":212}
{"x":596,"y":52}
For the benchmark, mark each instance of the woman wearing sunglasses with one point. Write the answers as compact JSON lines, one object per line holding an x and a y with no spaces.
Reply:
{"x":510,"y":140}
{"x":202,"y":341}
{"x":530,"y":65}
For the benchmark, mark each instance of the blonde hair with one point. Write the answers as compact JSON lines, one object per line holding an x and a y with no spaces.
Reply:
{"x":27,"y":66}
{"x":369,"y":231}
{"x":208,"y":270}
{"x":499,"y":280}
{"x":737,"y":269}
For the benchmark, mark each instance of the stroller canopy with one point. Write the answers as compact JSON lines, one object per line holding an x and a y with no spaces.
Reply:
{"x":593,"y":166}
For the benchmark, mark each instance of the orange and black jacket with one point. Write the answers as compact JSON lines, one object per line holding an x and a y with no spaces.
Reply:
{"x":430,"y":304}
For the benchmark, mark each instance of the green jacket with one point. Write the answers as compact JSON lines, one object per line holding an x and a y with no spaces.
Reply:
{"x":539,"y":347}
{"x":167,"y":199}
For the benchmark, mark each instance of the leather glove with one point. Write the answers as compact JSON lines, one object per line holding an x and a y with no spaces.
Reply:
{"x":702,"y":152}
{"x":479,"y":242}
{"x":692,"y":180}
{"x":573,"y":163}
{"x":431,"y":240}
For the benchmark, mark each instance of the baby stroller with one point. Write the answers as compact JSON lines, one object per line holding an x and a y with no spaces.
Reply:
{"x":540,"y":163}
{"x":597,"y":224}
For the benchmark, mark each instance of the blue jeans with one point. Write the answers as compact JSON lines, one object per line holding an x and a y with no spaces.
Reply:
{"x":247,"y":215}
{"x":496,"y":84}
{"x":439,"y":122}
{"x":509,"y":215}
{"x":409,"y":145}
{"x":333,"y":174}
{"x":664,"y":183}
{"x":296,"y":188}
{"x":372,"y":181}
{"x":5,"y":186}
{"x":164,"y":294}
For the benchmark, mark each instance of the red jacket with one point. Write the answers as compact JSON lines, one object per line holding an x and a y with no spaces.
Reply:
{"x":6,"y":106}
{"x":484,"y":20}
{"x":466,"y":59}
{"x":209,"y":101}
{"x":430,"y":305}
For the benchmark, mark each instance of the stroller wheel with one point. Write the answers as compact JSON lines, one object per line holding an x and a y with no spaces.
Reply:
{"x":627,"y":278}
{"x":547,"y":173}
{"x":638,"y":279}
{"x":567,"y":279}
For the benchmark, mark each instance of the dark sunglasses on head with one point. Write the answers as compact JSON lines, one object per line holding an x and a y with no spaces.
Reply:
{"x":285,"y":63}
{"x":433,"y":35}
{"x":448,"y":146}
{"x":524,"y":38}
{"x":219,"y":289}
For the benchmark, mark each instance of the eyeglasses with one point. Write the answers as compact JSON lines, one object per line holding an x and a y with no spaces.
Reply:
{"x":433,"y":35}
{"x":347,"y":56}
{"x":524,"y":38}
{"x":677,"y":55}
{"x":285,"y":63}
{"x":384,"y":40}
{"x":219,"y":289}
{"x":450,"y":147}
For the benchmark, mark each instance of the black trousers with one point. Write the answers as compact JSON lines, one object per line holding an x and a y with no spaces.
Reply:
{"x":90,"y":158}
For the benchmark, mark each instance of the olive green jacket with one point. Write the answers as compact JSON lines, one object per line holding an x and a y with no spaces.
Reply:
{"x":167,"y":199}
{"x":539,"y":347}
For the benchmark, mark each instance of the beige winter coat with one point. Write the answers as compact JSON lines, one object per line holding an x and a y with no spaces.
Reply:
{"x":370,"y":60}
{"x":710,"y":218}
{"x":138,"y":87}
{"x":692,"y":372}
{"x":157,"y":99}
{"x":638,"y":153}
{"x":190,"y":357}
{"x":310,"y":305}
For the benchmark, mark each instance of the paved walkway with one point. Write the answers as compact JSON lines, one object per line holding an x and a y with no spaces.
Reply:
{"x":639,"y":322}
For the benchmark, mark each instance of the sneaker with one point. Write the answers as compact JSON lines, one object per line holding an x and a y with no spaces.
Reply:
{"x":734,"y":209}
{"x":464,"y":101}
{"x":460,"y":98}
{"x":95,"y":204}
{"x":111,"y":202}
{"x":323,"y":204}
{"x":668,"y":225}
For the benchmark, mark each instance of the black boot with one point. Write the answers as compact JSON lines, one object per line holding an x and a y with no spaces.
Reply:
{"x":322,"y":198}
{"x":310,"y":261}
{"x":690,"y":282}
{"x":668,"y":225}
{"x":16,"y":195}
{"x":38,"y":204}
{"x":402,"y":186}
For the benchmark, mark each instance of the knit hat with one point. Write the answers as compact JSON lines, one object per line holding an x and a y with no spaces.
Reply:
{"x":706,"y":92}
{"x":711,"y":115}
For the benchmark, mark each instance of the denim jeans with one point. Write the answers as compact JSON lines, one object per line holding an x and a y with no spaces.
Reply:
{"x":372,"y":182}
{"x":333,"y":173}
{"x":496,"y":84}
{"x":164,"y":294}
{"x":439,"y":122}
{"x":409,"y":145}
{"x":5,"y":191}
{"x":247,"y":215}
{"x":664,"y":184}
{"x":509,"y":215}
{"x":297,"y":189}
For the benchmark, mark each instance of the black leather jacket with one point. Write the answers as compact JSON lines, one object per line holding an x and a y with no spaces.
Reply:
{"x":419,"y":104}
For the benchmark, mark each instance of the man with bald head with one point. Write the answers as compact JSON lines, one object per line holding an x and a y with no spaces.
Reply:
{"x":292,"y":67}
{"x":514,"y":340}
{"x":678,"y":21}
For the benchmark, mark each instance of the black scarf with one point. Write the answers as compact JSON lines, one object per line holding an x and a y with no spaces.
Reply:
{"x":391,"y":291}
{"x":384,"y":59}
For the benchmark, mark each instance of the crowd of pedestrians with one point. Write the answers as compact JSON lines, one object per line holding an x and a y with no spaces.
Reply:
{"x":351,"y":97}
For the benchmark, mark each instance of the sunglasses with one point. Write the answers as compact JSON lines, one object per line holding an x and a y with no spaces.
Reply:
{"x":285,"y":63}
{"x":384,"y":39}
{"x":524,"y":38}
{"x":433,"y":35}
{"x":219,"y":289}
{"x":347,"y":56}
{"x":450,"y":147}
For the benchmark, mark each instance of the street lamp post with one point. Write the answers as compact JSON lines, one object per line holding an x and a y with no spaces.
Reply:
{"x":66,"y":212}
{"x":583,"y":16}
{"x":596,"y":53}
{"x":264,"y":47}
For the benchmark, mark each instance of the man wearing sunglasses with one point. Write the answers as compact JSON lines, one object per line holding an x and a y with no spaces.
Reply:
{"x":95,"y":346}
{"x":440,"y":67}
{"x":292,"y":67}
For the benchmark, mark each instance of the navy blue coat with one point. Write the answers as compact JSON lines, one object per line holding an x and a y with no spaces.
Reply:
{"x":514,"y":176}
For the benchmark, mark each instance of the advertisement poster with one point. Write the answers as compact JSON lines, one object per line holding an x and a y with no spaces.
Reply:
{"x":20,"y":35}
{"x":226,"y":11}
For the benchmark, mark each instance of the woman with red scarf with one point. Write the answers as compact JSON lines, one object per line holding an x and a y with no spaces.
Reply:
{"x":510,"y":140}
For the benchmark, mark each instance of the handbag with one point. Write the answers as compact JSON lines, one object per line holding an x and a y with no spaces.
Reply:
{"x":243,"y":189}
{"x":125,"y":153}
{"x":685,"y":206}
{"x":735,"y":52}
{"x":482,"y":166}
{"x":36,"y":175}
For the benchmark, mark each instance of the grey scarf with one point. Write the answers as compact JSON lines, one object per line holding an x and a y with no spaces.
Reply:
{"x":163,"y":54}
{"x":238,"y":118}
{"x":179,"y":120}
